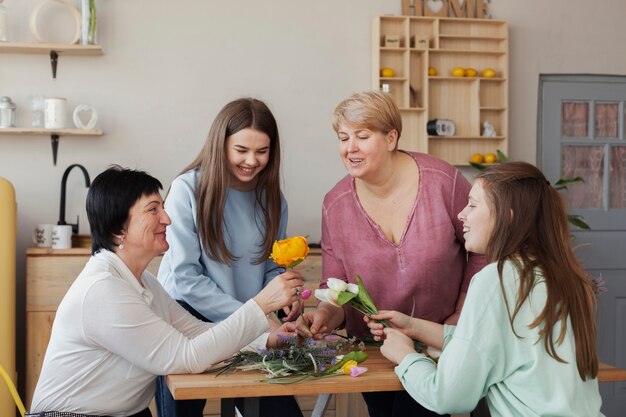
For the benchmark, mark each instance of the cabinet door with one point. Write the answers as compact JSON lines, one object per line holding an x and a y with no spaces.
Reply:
{"x":38,"y":330}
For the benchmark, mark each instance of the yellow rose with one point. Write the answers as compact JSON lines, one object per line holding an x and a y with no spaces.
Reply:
{"x":290,"y":252}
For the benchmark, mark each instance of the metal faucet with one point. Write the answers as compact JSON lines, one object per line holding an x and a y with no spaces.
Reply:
{"x":63,"y":187}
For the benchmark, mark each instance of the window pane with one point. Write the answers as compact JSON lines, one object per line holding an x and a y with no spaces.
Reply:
{"x":586,"y":162}
{"x":607,"y":124}
{"x":575,"y":119}
{"x":618,"y":177}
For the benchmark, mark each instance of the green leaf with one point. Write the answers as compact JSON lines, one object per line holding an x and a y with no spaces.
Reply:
{"x":562,"y":183}
{"x":364,"y":296}
{"x":578,"y":221}
{"x":344,"y":297}
{"x":358,"y":356}
{"x":501,"y":156}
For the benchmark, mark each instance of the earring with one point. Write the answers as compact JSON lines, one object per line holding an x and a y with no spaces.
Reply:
{"x":121,"y":245}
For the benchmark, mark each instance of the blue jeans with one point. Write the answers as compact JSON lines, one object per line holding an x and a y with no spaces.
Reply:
{"x":167,"y":406}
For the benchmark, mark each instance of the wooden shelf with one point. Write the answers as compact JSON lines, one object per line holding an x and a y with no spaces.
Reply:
{"x":477,"y":37}
{"x":466,"y":51}
{"x":467,"y":137}
{"x":49,"y":132}
{"x":468,"y":101}
{"x":45,"y":48}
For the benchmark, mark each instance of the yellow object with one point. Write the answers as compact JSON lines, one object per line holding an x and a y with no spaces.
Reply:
{"x":491,"y":158}
{"x":489,"y":73}
{"x":470,"y":72}
{"x":13,"y":391}
{"x":347,"y":366}
{"x":290,"y":252}
{"x":432,"y":71}
{"x":458,"y":72}
{"x":477,"y":158}
{"x":8,"y":225}
{"x":387,"y":72}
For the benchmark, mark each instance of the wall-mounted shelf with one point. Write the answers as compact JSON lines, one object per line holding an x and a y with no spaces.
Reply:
{"x":53,"y":49}
{"x":445,"y":44}
{"x":45,"y":48}
{"x":54,"y":134}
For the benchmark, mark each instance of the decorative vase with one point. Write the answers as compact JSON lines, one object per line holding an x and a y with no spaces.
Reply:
{"x":88,"y":33}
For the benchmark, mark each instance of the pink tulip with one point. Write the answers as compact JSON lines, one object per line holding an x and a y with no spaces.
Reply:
{"x":305,"y":294}
{"x":357,"y":370}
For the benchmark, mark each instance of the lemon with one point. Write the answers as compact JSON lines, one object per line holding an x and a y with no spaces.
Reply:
{"x":491,"y":158}
{"x":387,"y":72}
{"x":458,"y":72}
{"x":432,"y":71}
{"x":477,"y":158}
{"x":489,"y":73}
{"x":470,"y":72}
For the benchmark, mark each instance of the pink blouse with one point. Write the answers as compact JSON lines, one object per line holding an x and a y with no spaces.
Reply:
{"x":426,"y":271}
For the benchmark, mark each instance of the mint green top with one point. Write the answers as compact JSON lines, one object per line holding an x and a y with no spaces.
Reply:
{"x":482,"y":357}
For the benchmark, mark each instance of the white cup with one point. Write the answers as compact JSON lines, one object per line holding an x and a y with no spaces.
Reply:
{"x":42,"y":235}
{"x":55,"y":113}
{"x":62,"y":237}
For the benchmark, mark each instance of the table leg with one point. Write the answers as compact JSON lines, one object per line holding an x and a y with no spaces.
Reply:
{"x":321,"y":405}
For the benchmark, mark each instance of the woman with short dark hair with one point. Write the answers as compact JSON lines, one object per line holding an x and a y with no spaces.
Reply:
{"x":116,"y":329}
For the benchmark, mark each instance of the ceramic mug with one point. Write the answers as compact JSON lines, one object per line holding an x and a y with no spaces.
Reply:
{"x":55,"y":113}
{"x":62,"y":237}
{"x":42,"y":235}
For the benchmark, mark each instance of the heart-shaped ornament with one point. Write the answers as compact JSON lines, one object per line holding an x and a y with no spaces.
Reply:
{"x":436,"y":8}
{"x":85,"y":112}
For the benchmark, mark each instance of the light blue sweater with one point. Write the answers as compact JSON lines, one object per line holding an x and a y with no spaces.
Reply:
{"x":482,"y":357}
{"x":214,"y":289}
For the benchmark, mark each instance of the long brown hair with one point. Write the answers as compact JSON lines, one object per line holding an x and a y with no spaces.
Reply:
{"x":212,"y":161}
{"x":531,"y":231}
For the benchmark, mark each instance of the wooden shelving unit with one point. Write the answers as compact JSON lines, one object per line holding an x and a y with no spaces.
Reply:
{"x":446,"y":43}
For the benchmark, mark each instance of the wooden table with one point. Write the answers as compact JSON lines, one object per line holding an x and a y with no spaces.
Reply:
{"x":379,"y":377}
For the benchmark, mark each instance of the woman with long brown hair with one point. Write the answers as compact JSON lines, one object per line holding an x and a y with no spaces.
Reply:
{"x":526,"y":335}
{"x":227,"y":210}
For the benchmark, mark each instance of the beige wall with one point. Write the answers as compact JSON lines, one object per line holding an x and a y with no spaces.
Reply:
{"x":169,"y":66}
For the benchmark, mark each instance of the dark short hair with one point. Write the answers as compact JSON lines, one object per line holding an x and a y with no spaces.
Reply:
{"x":111,"y":195}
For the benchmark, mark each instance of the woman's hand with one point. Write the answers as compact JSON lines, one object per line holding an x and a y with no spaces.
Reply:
{"x":292,"y":311}
{"x":281,"y":335}
{"x":280,"y":292}
{"x":320,"y":321}
{"x":396,"y":345}
{"x":397,"y":320}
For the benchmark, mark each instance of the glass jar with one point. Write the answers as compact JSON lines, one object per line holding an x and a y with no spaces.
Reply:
{"x":4,"y":23}
{"x":7,"y":112}
{"x":88,"y":24}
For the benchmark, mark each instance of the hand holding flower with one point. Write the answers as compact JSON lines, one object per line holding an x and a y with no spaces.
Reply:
{"x":281,"y":291}
{"x":395,"y":319}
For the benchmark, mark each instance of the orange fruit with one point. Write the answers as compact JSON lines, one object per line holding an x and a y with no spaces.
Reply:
{"x":489,"y":73}
{"x":477,"y":158}
{"x":470,"y":72}
{"x":458,"y":72}
{"x":432,"y":71}
{"x":491,"y":158}
{"x":387,"y":72}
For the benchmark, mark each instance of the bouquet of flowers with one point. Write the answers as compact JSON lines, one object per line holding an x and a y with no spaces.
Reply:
{"x":330,"y":356}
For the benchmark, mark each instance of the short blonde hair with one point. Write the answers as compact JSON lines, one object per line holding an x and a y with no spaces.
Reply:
{"x":372,"y":110}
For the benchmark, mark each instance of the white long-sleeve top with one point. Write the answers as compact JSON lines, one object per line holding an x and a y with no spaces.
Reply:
{"x":112,"y":336}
